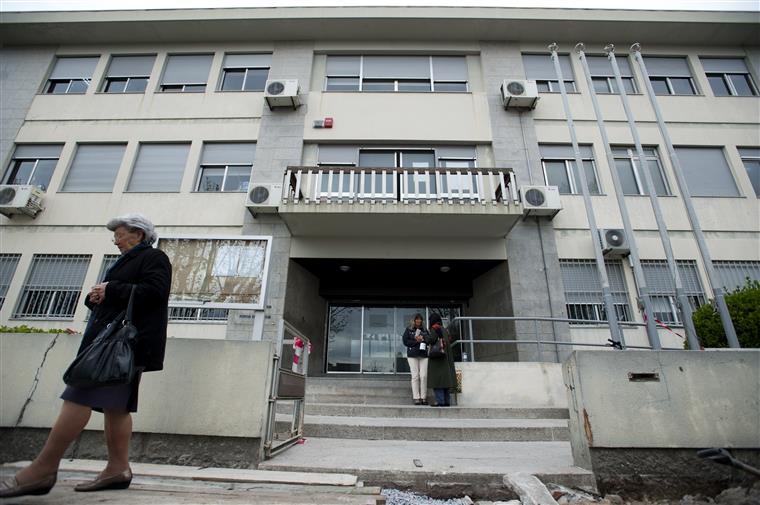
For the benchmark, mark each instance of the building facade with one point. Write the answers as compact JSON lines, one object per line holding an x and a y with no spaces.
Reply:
{"x":393,"y":179}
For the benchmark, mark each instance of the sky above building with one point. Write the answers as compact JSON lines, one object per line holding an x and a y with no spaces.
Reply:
{"x":60,"y":5}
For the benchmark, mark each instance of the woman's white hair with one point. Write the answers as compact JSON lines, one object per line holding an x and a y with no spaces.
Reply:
{"x":135,"y":222}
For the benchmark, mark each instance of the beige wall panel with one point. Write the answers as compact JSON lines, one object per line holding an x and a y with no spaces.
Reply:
{"x":389,"y":248}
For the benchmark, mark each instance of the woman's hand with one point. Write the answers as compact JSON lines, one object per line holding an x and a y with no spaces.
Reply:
{"x":418,"y":338}
{"x":98,"y":293}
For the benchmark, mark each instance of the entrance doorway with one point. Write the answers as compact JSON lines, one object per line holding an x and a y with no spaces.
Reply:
{"x":367,"y":338}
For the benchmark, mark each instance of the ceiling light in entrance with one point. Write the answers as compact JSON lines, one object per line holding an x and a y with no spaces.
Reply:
{"x":344,"y":268}
{"x":445,"y":268}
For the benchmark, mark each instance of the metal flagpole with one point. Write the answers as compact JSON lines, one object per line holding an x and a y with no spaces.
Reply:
{"x":681,"y":300}
{"x":617,"y":334}
{"x":641,"y":283}
{"x":725,"y":317}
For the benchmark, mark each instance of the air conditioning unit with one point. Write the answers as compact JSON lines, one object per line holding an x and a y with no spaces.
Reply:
{"x":20,"y":200}
{"x":614,"y":243}
{"x":282,"y":93}
{"x":264,"y":198}
{"x":517,"y":94}
{"x":540,"y":200}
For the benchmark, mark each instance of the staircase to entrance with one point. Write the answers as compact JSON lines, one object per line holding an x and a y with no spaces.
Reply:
{"x":368,"y":426}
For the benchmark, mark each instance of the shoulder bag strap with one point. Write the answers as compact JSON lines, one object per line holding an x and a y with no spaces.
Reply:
{"x":128,"y":315}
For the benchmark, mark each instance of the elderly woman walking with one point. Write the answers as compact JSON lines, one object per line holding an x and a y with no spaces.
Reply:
{"x":149,"y":271}
{"x":441,"y":373}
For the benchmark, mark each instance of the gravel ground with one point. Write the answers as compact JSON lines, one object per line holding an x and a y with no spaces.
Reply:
{"x":396,"y":497}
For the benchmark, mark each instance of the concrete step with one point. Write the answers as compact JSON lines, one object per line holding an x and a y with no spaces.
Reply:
{"x":360,"y":399}
{"x":434,"y":429}
{"x":441,"y":469}
{"x":407,"y":411}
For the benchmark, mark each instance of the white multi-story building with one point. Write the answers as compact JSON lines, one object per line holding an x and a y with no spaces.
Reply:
{"x":388,"y":183}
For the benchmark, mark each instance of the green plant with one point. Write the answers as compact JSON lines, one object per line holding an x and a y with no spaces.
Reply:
{"x":29,"y":329}
{"x":744,"y":306}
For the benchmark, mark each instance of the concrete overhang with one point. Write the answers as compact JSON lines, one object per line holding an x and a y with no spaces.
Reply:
{"x":380,"y":23}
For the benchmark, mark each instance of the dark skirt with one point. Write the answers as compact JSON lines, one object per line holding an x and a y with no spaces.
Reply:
{"x":122,"y":397}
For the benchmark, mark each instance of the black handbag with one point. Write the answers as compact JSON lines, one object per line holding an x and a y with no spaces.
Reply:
{"x":437,"y":350}
{"x":109,"y":359}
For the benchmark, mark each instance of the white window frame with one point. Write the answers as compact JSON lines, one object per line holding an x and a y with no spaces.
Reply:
{"x":108,"y":79}
{"x":12,"y":167}
{"x":569,"y":171}
{"x":55,"y":292}
{"x":226,"y":167}
{"x":724,"y":76}
{"x":745,"y":158}
{"x":246,"y":68}
{"x":52,"y":81}
{"x":8,"y":265}
{"x":633,"y":158}
{"x":215,"y":305}
{"x":654,"y":75}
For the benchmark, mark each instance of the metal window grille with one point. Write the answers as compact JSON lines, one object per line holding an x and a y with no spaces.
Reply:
{"x":734,"y":274}
{"x":8,"y":264}
{"x":108,"y":261}
{"x":53,"y":286}
{"x":197,"y":314}
{"x":583,"y":290}
{"x":662,"y":289}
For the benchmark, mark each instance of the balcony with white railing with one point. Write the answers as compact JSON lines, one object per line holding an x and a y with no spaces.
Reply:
{"x":341,"y":200}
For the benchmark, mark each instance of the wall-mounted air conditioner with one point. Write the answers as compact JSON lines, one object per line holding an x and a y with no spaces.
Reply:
{"x":282,"y":93}
{"x":16,"y":199}
{"x":614,"y":243}
{"x":264,"y":198}
{"x":519,"y":94}
{"x":540,"y":200}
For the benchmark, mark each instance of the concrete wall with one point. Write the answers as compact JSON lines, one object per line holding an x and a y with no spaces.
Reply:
{"x":208,"y":388}
{"x":700,"y":399}
{"x":491,"y":296}
{"x":307,"y":311}
{"x":520,"y":385}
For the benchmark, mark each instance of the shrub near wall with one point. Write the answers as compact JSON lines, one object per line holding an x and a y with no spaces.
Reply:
{"x":744,"y":307}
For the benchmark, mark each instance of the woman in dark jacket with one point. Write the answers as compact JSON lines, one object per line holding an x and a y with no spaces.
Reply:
{"x":149,"y":270}
{"x":441,"y":373}
{"x":416,"y":339}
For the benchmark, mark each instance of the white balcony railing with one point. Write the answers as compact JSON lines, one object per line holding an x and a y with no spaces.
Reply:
{"x":336,"y":184}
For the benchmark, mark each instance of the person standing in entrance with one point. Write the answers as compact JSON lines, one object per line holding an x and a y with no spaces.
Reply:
{"x":416,"y":339}
{"x":441,"y":373}
{"x":150,"y":272}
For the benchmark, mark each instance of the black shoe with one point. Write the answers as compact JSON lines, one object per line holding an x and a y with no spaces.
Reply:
{"x":418,"y":402}
{"x":424,"y":401}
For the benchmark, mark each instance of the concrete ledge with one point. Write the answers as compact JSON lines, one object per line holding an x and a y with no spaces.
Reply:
{"x":512,"y":384}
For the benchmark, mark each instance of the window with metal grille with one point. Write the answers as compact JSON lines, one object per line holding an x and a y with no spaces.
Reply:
{"x":197,"y":314}
{"x":662,"y":288}
{"x":108,"y":261}
{"x":540,"y":68}
{"x":734,"y":274}
{"x":52,"y":287}
{"x":8,"y":264}
{"x":583,"y":290}
{"x":33,"y":164}
{"x":396,"y":73}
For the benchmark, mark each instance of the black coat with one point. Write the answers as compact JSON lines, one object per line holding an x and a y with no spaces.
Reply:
{"x":149,"y":269}
{"x":412,"y":346}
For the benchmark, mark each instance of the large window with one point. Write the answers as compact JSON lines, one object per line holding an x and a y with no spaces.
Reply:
{"x":751,"y":159}
{"x":245,"y":72}
{"x":540,"y":68}
{"x":670,"y":76}
{"x":558,"y":161}
{"x":94,"y":168}
{"x":52,"y":287}
{"x":583,"y":290}
{"x":604,"y":79}
{"x":729,"y":77}
{"x":396,"y":73}
{"x":226,"y":167}
{"x":8,"y":264}
{"x":734,"y":274}
{"x":662,"y":288}
{"x":128,"y":74}
{"x":629,"y":170}
{"x":33,"y":164}
{"x":216,"y":273}
{"x":71,"y":75}
{"x":706,"y":171}
{"x":186,"y":73}
{"x":159,"y":168}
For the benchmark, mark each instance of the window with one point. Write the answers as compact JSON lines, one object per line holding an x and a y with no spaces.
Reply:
{"x":245,"y":72}
{"x":729,"y":77}
{"x":33,"y":164}
{"x":186,"y":73}
{"x":108,"y":261}
{"x":52,"y":287}
{"x":128,"y":74}
{"x":226,"y":167}
{"x":706,"y":171}
{"x":661,"y":288}
{"x":217,"y":273}
{"x":734,"y":274}
{"x":159,"y":168}
{"x":8,"y":264}
{"x":603,"y":78}
{"x":396,"y":73}
{"x":197,"y":314}
{"x":558,"y":161}
{"x":629,"y":170}
{"x":540,"y":68}
{"x":751,"y":159}
{"x":94,"y":168}
{"x":670,"y":76}
{"x":71,"y":75}
{"x":583,"y":290}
